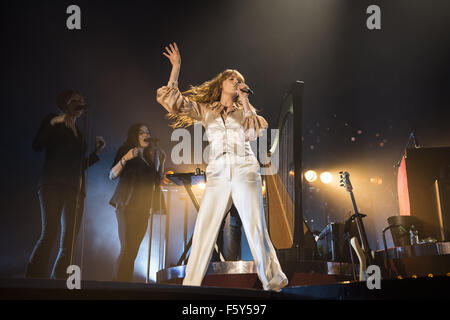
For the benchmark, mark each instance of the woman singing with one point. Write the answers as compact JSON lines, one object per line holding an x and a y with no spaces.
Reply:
{"x":233,"y":172}
{"x":61,"y":187}
{"x":140,"y":168}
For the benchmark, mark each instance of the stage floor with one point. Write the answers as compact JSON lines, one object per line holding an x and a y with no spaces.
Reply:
{"x":43,"y":289}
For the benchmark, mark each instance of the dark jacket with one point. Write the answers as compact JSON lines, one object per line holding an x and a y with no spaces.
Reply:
{"x":138,"y":184}
{"x":65,"y":159}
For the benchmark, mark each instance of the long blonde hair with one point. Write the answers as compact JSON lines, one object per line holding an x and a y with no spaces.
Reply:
{"x":208,"y":92}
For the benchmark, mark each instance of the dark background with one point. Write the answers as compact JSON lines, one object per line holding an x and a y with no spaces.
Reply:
{"x":373,"y":85}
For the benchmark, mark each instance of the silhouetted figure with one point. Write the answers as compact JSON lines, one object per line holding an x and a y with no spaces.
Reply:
{"x":229,"y":238}
{"x":61,"y":187}
{"x":139,"y":167}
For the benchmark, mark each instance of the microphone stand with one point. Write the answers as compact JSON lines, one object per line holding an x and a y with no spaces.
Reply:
{"x":412,"y":136}
{"x":147,"y":279}
{"x":85,"y":138}
{"x":156,"y":154}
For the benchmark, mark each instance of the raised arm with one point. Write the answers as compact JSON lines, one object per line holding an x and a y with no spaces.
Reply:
{"x":173,"y":54}
{"x":120,"y":161}
{"x":170,"y":96}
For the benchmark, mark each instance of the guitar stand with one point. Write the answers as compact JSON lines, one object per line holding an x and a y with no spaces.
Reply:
{"x":347,"y":237}
{"x":361,"y":233}
{"x":357,"y":215}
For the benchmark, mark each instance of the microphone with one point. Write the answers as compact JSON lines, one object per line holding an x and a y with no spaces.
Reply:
{"x":416,"y":142}
{"x":247,"y":90}
{"x":81,"y":107}
{"x":412,"y":136}
{"x":154,"y":140}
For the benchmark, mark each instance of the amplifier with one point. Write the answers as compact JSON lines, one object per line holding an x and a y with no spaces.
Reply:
{"x":332,"y":244}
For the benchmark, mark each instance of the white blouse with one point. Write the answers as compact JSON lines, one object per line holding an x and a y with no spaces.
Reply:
{"x":226,"y":137}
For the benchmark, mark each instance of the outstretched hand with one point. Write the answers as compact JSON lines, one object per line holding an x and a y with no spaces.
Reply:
{"x":173,"y":54}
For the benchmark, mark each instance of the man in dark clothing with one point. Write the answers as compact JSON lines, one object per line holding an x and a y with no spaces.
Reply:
{"x":229,"y":238}
{"x":61,"y":187}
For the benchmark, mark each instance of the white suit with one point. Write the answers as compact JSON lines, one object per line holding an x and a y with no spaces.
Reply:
{"x":233,"y":176}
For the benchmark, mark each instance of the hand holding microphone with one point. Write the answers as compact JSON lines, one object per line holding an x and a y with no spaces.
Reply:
{"x":131,"y":154}
{"x":243,"y":91}
{"x":246,"y":89}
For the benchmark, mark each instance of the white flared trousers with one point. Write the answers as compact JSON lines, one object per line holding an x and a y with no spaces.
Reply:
{"x":242,"y":186}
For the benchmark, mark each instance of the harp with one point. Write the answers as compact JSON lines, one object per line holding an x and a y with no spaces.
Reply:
{"x":283,"y":197}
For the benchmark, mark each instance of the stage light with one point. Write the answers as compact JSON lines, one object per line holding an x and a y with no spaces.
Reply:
{"x":201,"y":185}
{"x":165,"y":179}
{"x":263,"y":187}
{"x":310,"y":176}
{"x":326,"y":177}
{"x":376,"y":180}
